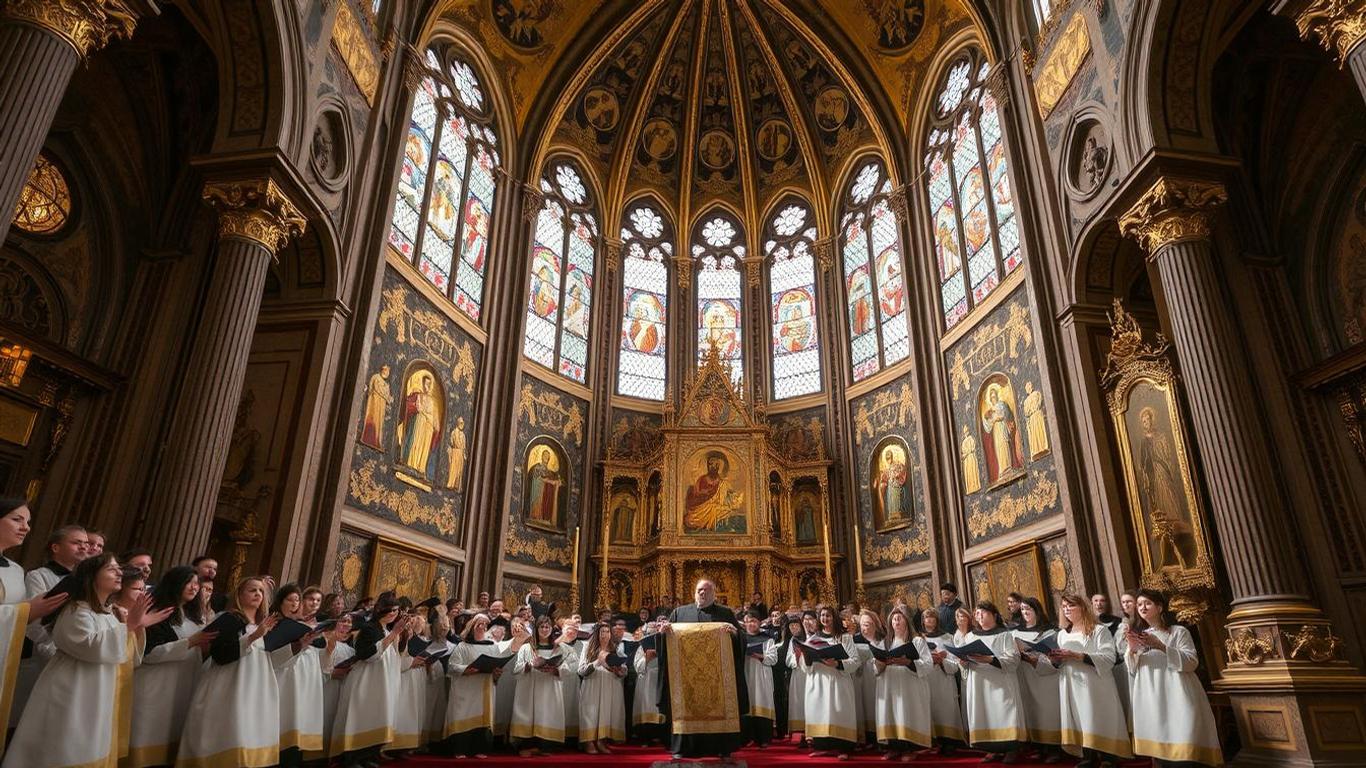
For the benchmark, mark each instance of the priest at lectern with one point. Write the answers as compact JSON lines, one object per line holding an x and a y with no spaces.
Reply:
{"x":702,"y":685}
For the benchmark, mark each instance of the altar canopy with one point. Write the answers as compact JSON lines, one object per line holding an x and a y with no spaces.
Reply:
{"x":701,"y":672}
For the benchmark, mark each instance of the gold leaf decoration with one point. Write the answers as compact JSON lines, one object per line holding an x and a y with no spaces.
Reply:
{"x":405,"y":505}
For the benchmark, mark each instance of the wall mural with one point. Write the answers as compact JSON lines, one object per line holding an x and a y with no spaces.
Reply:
{"x":411,"y":446}
{"x":515,"y":590}
{"x":547,"y":479}
{"x":799,"y":435}
{"x":634,"y":435}
{"x":1003,"y":439}
{"x":915,"y":593}
{"x":891,"y":506}
{"x":715,"y":500}
{"x":352,"y":574}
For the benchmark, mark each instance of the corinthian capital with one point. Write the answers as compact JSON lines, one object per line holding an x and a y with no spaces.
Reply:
{"x":611,"y":251}
{"x":255,"y":210}
{"x":87,"y":25}
{"x":1172,"y":211}
{"x":1340,"y":25}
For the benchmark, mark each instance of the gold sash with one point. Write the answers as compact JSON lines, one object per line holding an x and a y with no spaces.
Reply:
{"x":702,"y":679}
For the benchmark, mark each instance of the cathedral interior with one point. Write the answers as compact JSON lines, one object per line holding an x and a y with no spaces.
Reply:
{"x":831,"y":300}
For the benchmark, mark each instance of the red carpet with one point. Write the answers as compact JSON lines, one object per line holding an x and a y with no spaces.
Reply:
{"x":641,"y":757}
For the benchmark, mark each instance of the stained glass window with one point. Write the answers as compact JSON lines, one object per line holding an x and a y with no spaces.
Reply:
{"x":444,"y":203}
{"x":874,"y":283}
{"x":45,"y":200}
{"x":789,"y":249}
{"x":718,"y":249}
{"x":647,"y":247}
{"x":563,"y":248}
{"x":972,"y":210}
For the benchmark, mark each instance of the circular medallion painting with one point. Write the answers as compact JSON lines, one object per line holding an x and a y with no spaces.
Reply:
{"x":832,"y":107}
{"x":601,"y":109}
{"x":774,"y":139}
{"x":716,"y":149}
{"x":659,"y":139}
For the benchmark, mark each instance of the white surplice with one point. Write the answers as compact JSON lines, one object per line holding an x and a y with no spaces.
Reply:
{"x":13,"y":623}
{"x":831,"y":704}
{"x":1172,"y":716}
{"x":301,"y":697}
{"x":1039,"y":691}
{"x":602,"y":703}
{"x":991,"y":694}
{"x":759,"y":679}
{"x":365,"y":708}
{"x":332,"y":689}
{"x":796,"y":691}
{"x":469,"y":705}
{"x":538,"y":697}
{"x":646,"y":706}
{"x":1091,"y":714}
{"x":901,"y":703}
{"x":162,"y":687}
{"x":234,"y":715}
{"x":946,"y":711}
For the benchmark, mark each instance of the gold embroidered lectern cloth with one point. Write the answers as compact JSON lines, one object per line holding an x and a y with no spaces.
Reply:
{"x":702,"y":679}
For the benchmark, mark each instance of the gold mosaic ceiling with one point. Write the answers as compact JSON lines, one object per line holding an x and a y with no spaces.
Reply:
{"x":706,"y":100}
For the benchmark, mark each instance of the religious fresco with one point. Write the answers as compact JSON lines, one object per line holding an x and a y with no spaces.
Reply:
{"x":799,"y":435}
{"x":548,"y":476}
{"x":657,"y":151}
{"x":807,"y":523}
{"x":917,"y":595}
{"x":634,"y":435}
{"x":623,"y":505}
{"x":1006,"y":468}
{"x":715,"y":499}
{"x":416,"y":414}
{"x":516,"y":588}
{"x":351,"y":575}
{"x":887,"y":461}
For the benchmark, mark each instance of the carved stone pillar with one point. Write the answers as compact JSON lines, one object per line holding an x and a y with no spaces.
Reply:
{"x":1272,"y":675}
{"x":1340,"y":27}
{"x":255,"y":220}
{"x":41,"y":42}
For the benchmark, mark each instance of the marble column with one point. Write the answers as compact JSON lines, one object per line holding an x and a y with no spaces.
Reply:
{"x":1340,"y":27}
{"x":41,"y":42}
{"x":1281,"y":651}
{"x":255,"y":220}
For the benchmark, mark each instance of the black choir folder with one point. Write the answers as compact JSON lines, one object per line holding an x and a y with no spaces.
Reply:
{"x":486,"y":663}
{"x":614,"y":660}
{"x":285,"y":632}
{"x":550,"y":662}
{"x":756,"y":649}
{"x":812,"y":654}
{"x":974,"y":648}
{"x":1045,"y":646}
{"x":905,"y":651}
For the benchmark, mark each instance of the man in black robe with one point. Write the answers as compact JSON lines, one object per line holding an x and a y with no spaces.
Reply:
{"x":704,"y":609}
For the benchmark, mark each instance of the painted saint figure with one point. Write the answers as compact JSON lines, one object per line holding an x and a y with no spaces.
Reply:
{"x":1035,"y":427}
{"x":378,"y":398}
{"x":805,"y":520}
{"x":967,"y":451}
{"x":709,"y":501}
{"x":455,"y":476}
{"x":890,"y":485}
{"x":1001,"y":435}
{"x":420,"y":429}
{"x":1157,"y":485}
{"x":543,"y":488}
{"x":624,"y":518}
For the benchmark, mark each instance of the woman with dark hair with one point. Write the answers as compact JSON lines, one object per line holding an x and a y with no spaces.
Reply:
{"x":1039,"y":681}
{"x":333,"y":606}
{"x":312,"y":604}
{"x":1172,"y":717}
{"x":807,"y":626}
{"x":365,"y":709}
{"x":602,"y":700}
{"x":468,"y":727}
{"x":1092,"y":720}
{"x":78,"y":691}
{"x":831,"y":702}
{"x":297,"y":666}
{"x":16,"y":610}
{"x":946,"y":711}
{"x":538,"y":701}
{"x":165,"y":681}
{"x":991,"y":688}
{"x":901,"y":708}
{"x":234,"y":715}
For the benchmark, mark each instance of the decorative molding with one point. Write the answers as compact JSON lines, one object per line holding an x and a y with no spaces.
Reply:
{"x":898,"y":199}
{"x":825,"y":252}
{"x":998,"y":84}
{"x":256,"y":210}
{"x":1245,"y":647}
{"x":1173,"y":210}
{"x":1339,"y":25}
{"x":611,"y":253}
{"x":87,"y":25}
{"x":414,"y":68}
{"x":532,"y":200}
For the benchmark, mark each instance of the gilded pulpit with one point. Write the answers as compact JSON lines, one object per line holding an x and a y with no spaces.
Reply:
{"x":711,"y":493}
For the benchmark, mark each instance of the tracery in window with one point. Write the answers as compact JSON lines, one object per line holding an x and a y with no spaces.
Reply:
{"x":647,"y":248}
{"x":45,"y":201}
{"x":972,"y":210}
{"x":564,"y":244}
{"x":789,"y":249}
{"x":444,"y":203}
{"x":875,"y":287}
{"x":718,"y":248}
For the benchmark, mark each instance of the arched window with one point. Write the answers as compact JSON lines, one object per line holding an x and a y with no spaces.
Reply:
{"x":647,"y":242}
{"x":971,"y":207}
{"x":563,"y":247}
{"x":789,"y":249}
{"x":718,"y":248}
{"x":445,"y":197}
{"x":874,"y":284}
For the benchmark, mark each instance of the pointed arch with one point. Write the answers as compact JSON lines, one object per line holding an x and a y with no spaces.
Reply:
{"x":870,"y":253}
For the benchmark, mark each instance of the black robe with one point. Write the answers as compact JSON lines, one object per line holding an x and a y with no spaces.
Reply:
{"x":705,"y":744}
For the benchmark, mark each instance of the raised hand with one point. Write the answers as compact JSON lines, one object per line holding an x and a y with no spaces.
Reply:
{"x":265,"y":626}
{"x":41,"y":606}
{"x":201,"y":639}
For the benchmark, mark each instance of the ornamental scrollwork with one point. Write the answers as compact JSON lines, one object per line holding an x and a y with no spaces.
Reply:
{"x":1245,"y":647}
{"x":1173,"y":210}
{"x":1340,"y":25}
{"x":1313,"y":642}
{"x":87,"y":25}
{"x":366,"y":489}
{"x":256,"y":210}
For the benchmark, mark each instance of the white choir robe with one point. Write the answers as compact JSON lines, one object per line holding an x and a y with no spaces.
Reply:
{"x":301,"y":697}
{"x":796,"y":691}
{"x":72,"y":718}
{"x":332,"y":689}
{"x":36,"y":582}
{"x":646,"y":706}
{"x":1121,"y":673}
{"x":1172,"y":716}
{"x":538,"y":697}
{"x":410,"y":705}
{"x":436,"y":697}
{"x":831,"y":704}
{"x":503,"y":692}
{"x":572,"y":684}
{"x":602,"y":703}
{"x":365,"y":708}
{"x":759,"y":679}
{"x":865,"y":683}
{"x":13,"y":623}
{"x":1092,"y":717}
{"x":991,"y":694}
{"x":901,"y":703}
{"x":162,"y":687}
{"x":234,"y":715}
{"x":469,"y":705}
{"x":946,"y":711}
{"x":1039,"y":692}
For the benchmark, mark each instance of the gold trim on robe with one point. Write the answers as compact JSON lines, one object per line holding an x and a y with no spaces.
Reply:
{"x":702,"y":692}
{"x":14,"y":650}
